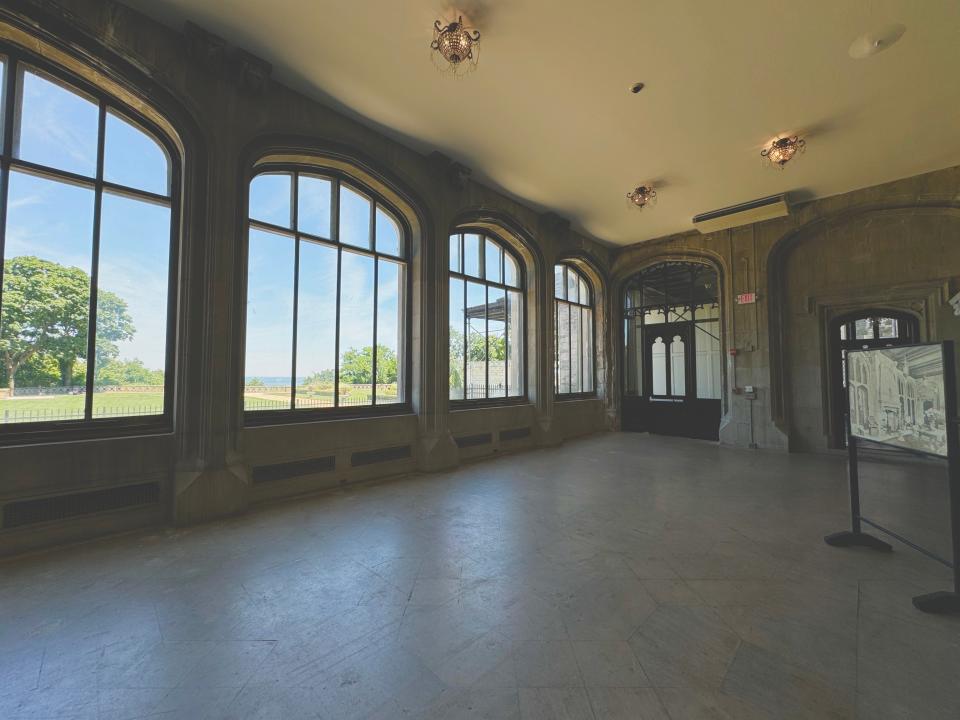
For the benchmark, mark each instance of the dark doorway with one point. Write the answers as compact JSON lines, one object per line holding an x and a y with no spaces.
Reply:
{"x":855,"y":331}
{"x":672,"y":351}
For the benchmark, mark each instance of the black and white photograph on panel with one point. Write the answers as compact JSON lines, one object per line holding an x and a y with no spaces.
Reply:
{"x":896,"y":397}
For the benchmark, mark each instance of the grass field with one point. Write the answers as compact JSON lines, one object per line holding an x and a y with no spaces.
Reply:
{"x":122,"y":404}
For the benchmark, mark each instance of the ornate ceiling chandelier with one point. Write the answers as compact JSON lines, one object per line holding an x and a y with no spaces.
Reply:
{"x":782,"y":150}
{"x":455,"y":46}
{"x":642,"y":196}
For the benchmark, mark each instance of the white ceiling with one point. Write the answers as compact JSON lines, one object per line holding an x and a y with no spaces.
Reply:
{"x":548,"y":116}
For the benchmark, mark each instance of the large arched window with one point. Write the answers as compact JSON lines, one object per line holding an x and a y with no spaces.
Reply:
{"x":573,"y":324}
{"x":88,"y":208}
{"x":486,"y":319}
{"x":327,"y":297}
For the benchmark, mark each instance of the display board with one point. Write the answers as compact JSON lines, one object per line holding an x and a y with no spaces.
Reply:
{"x":896,"y":397}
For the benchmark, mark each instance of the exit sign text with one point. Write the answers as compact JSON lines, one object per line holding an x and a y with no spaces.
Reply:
{"x":746,"y":298}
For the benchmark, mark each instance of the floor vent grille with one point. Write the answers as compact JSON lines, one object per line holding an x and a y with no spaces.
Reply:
{"x":288,"y":470}
{"x":514,"y":434}
{"x":371,"y":457}
{"x":467,"y":441}
{"x":64,"y":507}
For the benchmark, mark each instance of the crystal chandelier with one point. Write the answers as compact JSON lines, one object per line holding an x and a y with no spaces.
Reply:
{"x":642,"y":195}
{"x":782,"y":150}
{"x":456,"y":47}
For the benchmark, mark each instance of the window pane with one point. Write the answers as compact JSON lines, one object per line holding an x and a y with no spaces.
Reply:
{"x":316,"y":325}
{"x":134,"y":158}
{"x":455,"y":253}
{"x":576,"y":351}
{"x":653,"y":317}
{"x":497,"y":342}
{"x":573,"y":294}
{"x":707,"y":341}
{"x":472,"y":247}
{"x":271,"y":199}
{"x":476,"y":341}
{"x":559,"y":284}
{"x":356,"y":329}
{"x":354,"y":218}
{"x":678,"y":374}
{"x":390,"y":348}
{"x":864,"y":329}
{"x":587,"y":362}
{"x":678,"y":313}
{"x":658,"y":366}
{"x":707,"y":312}
{"x":515,"y":364}
{"x":584,"y":291}
{"x":57,"y":126}
{"x":269,"y":350}
{"x":563,"y":348}
{"x":46,"y":296}
{"x":492,"y":264}
{"x":456,"y":339}
{"x":843,"y":331}
{"x":888,"y":328}
{"x":388,"y":233}
{"x":511,"y":274}
{"x":314,"y":195}
{"x":131,"y":343}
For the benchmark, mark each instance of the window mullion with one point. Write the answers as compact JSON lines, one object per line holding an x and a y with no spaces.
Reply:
{"x":295,"y":194}
{"x":95,"y":268}
{"x":486,"y":338}
{"x":335,"y":208}
{"x":9,"y":109}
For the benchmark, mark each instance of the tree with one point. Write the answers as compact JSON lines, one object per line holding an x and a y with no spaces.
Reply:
{"x":127,"y":372}
{"x":356,"y":366}
{"x":255,"y":382}
{"x":46,"y":312}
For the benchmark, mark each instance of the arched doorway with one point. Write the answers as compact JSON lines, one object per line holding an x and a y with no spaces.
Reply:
{"x":855,"y":331}
{"x":672,"y":351}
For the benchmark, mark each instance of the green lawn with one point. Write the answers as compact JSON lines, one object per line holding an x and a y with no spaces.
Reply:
{"x":66,"y":407}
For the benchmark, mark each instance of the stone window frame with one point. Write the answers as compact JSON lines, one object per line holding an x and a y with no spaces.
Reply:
{"x":592,"y":349}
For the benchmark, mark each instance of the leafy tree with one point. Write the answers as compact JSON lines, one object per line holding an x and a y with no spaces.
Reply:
{"x":38,"y":371}
{"x":255,"y":382}
{"x":127,"y":372}
{"x":356,"y":366}
{"x":45,"y":312}
{"x":319,"y":378}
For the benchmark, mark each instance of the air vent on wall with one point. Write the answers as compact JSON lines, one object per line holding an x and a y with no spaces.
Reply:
{"x":63,"y":507}
{"x":285,"y":471}
{"x":466,"y":441}
{"x":514,"y":434}
{"x":743,"y":214}
{"x":370,"y":457}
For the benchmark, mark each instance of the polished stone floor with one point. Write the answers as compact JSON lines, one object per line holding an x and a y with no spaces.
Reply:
{"x":620,"y":576}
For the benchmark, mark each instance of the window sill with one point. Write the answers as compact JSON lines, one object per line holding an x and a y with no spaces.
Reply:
{"x":569,"y":397}
{"x":459,"y":405}
{"x":263,"y":418}
{"x":83,"y":430}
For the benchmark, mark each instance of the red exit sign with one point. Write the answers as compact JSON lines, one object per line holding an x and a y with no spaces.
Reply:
{"x":746,"y":298}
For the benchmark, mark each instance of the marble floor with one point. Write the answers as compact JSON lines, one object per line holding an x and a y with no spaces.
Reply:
{"x":620,"y":576}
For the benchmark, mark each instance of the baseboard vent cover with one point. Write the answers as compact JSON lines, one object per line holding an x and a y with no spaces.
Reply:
{"x":371,"y":457}
{"x":20,"y":513}
{"x":467,"y":441}
{"x":288,"y":470}
{"x":514,"y":434}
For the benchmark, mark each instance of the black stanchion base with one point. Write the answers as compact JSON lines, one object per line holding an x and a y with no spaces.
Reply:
{"x":848,"y":538}
{"x":940,"y":603}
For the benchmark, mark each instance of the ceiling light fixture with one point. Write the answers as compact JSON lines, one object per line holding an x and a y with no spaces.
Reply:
{"x":456,"y":47}
{"x":782,"y":150}
{"x":642,"y":196}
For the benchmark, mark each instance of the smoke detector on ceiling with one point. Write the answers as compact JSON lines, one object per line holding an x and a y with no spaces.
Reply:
{"x":876,"y":41}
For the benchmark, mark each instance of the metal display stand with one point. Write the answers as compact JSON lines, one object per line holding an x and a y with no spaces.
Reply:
{"x":945,"y":601}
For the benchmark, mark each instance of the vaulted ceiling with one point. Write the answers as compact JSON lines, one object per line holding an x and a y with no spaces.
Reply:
{"x":548,"y":116}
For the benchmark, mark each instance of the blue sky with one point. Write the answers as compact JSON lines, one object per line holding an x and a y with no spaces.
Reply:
{"x":53,"y":220}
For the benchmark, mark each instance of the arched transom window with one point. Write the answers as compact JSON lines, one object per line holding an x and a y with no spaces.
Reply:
{"x":486,"y":319}
{"x":87,"y":223}
{"x":327,"y":296}
{"x":573,"y":324}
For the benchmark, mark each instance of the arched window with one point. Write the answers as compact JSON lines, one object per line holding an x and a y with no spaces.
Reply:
{"x":327,"y":297}
{"x":88,"y":208}
{"x":486,"y":319}
{"x":573,"y":324}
